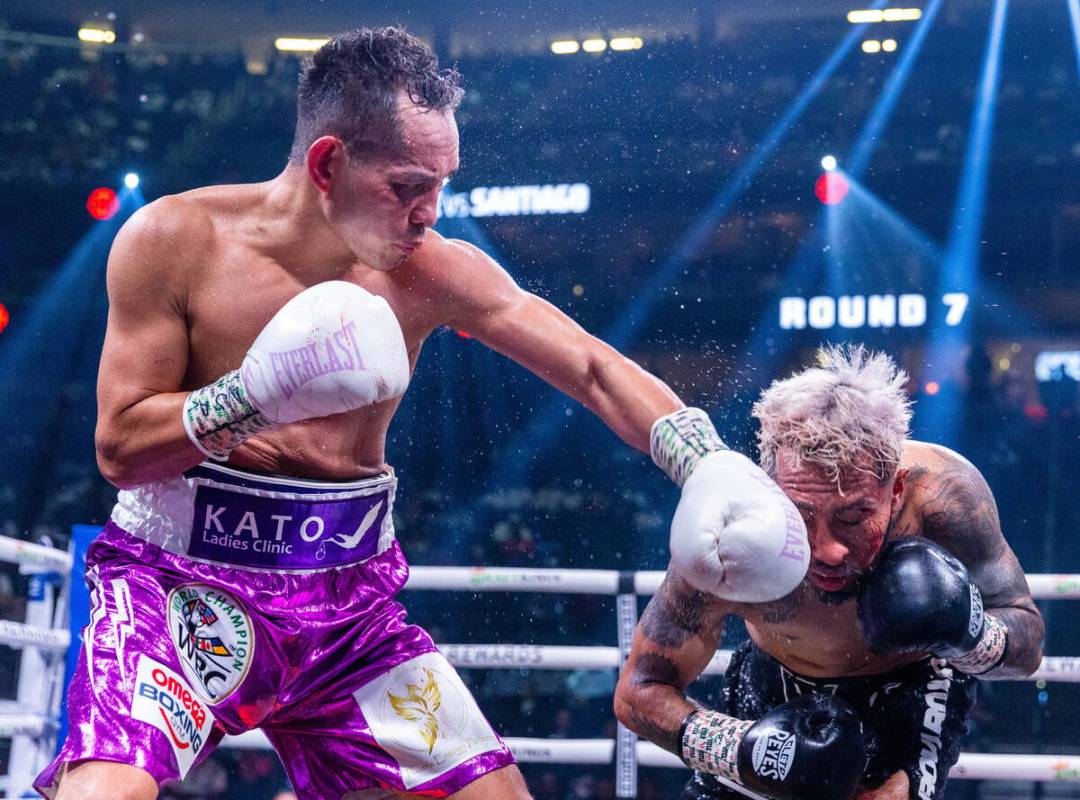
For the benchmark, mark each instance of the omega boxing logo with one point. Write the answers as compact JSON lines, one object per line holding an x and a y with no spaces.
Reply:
{"x":773,"y":755}
{"x":213,"y":637}
{"x":163,"y":699}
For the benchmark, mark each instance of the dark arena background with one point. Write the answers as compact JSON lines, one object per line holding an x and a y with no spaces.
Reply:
{"x":716,"y":189}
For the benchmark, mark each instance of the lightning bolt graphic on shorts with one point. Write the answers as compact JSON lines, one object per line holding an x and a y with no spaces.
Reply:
{"x":123,"y":621}
{"x":97,"y":611}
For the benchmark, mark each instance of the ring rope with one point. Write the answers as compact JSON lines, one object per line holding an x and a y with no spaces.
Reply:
{"x":33,"y":556}
{"x":971,"y":766}
{"x":516,"y":579}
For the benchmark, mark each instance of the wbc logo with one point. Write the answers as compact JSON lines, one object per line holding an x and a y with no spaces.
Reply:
{"x":213,"y":637}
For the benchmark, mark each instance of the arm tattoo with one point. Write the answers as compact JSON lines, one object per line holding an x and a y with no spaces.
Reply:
{"x":786,"y":608}
{"x":655,"y":668}
{"x":961,"y":515}
{"x":672,"y":617}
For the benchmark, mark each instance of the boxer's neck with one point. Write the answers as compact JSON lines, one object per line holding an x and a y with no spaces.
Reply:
{"x":294,"y":231}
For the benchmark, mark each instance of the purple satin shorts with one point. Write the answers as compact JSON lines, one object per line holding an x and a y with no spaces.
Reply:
{"x":224,"y":601}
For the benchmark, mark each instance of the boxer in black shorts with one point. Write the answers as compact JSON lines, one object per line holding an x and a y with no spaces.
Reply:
{"x":912,"y":718}
{"x":856,"y":684}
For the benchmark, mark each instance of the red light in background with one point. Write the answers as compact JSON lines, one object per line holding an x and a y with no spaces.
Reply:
{"x":5,"y":317}
{"x":462,"y":334}
{"x":932,"y":387}
{"x":831,"y":188}
{"x":102,"y":203}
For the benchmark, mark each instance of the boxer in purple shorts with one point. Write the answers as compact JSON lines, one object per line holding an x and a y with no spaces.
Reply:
{"x":274,"y":327}
{"x":298,"y":636}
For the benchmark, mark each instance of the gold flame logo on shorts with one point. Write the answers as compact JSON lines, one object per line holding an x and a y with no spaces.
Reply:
{"x":419,"y":705}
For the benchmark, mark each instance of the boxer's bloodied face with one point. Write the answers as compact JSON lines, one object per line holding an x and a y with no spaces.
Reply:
{"x":382,"y":206}
{"x":846,"y":521}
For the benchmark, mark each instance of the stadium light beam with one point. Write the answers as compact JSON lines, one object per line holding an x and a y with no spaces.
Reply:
{"x":1074,"y":16}
{"x":563,"y":47}
{"x":131,"y":180}
{"x":626,"y":43}
{"x":544,"y":432}
{"x":594,"y":45}
{"x":828,"y":163}
{"x":960,"y":265}
{"x":870,"y":135}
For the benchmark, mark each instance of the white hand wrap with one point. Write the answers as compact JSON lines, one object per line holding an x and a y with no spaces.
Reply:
{"x":679,"y":440}
{"x":989,"y":652}
{"x":710,"y":742}
{"x":220,"y":416}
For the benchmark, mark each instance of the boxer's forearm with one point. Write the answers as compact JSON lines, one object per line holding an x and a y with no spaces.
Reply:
{"x":626,"y":397}
{"x":1023,"y":653}
{"x":655,"y":712}
{"x":145,"y":442}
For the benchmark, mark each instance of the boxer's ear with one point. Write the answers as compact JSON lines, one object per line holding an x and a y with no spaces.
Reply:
{"x":899,"y":482}
{"x":325,"y":158}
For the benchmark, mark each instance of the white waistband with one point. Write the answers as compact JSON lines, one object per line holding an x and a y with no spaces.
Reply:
{"x":162,"y":513}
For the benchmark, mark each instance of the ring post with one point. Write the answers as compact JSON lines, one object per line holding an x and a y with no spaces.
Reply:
{"x":626,"y":768}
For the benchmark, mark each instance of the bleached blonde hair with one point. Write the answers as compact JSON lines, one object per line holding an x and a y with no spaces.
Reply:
{"x":849,"y":412}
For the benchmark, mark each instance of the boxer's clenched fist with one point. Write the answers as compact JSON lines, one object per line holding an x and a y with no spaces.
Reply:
{"x":334,"y":347}
{"x":735,"y":533}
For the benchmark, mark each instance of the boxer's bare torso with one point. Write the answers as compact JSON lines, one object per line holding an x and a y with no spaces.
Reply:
{"x":237,"y":284}
{"x":193,"y":278}
{"x":821,"y":639}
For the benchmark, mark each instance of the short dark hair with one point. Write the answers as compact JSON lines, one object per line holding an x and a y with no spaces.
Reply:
{"x":349,"y":88}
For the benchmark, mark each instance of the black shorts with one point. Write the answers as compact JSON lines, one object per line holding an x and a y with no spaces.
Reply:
{"x":913,"y":719}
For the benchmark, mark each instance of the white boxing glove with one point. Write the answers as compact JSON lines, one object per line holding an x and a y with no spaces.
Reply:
{"x":334,"y":347}
{"x":735,"y":534}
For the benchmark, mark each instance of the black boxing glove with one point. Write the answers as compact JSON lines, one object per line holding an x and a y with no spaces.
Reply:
{"x":806,"y":749}
{"x":919,"y":598}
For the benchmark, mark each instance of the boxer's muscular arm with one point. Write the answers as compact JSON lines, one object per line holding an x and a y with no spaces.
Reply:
{"x":960,"y":514}
{"x":489,"y":306}
{"x":676,"y":638}
{"x":140,"y":433}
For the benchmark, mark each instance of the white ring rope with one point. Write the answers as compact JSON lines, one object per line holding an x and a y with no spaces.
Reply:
{"x":971,"y":766}
{"x":515,"y":579}
{"x":974,"y":766}
{"x":19,"y":634}
{"x":605,"y":581}
{"x":34,"y":557}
